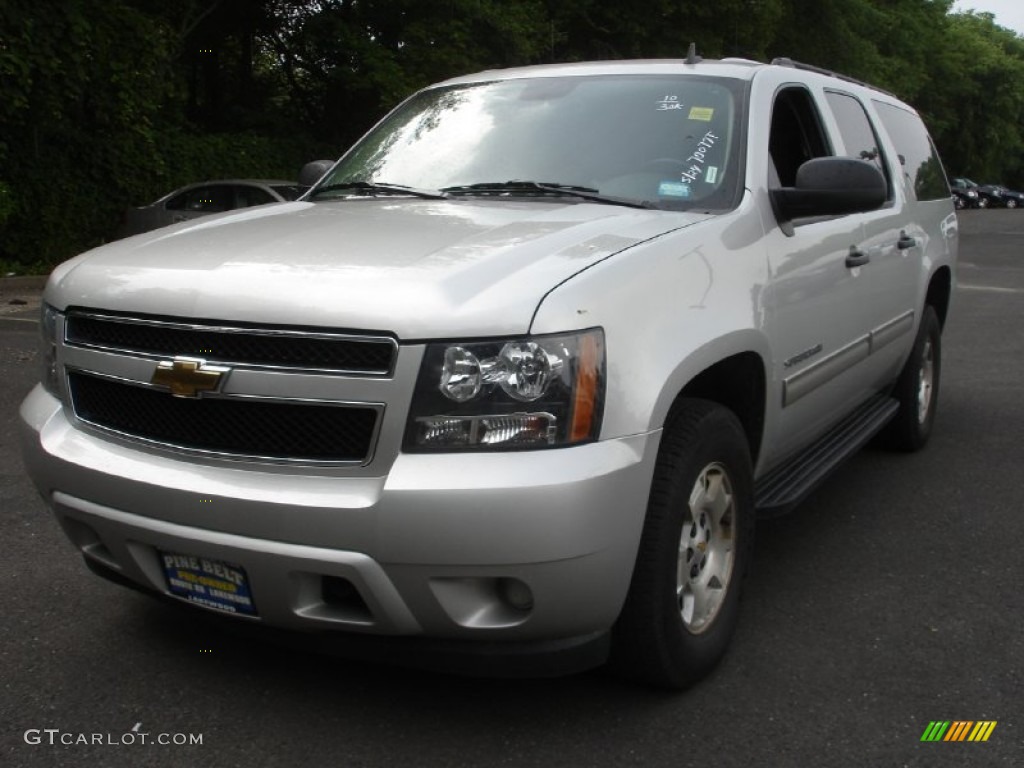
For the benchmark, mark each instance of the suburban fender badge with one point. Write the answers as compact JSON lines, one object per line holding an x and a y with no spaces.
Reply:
{"x":188,"y":376}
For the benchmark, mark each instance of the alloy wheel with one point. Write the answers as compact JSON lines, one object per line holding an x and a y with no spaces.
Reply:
{"x":706,"y":549}
{"x":925,"y":381}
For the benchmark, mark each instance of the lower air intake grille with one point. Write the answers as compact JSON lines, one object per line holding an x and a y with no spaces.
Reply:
{"x":241,"y":428}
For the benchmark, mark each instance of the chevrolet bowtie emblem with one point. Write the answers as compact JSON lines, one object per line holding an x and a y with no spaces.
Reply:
{"x":188,"y":377}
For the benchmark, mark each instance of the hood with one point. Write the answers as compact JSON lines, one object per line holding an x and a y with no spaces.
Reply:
{"x":419,"y":269}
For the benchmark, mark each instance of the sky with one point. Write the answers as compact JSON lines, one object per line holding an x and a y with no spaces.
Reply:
{"x":1008,"y":13}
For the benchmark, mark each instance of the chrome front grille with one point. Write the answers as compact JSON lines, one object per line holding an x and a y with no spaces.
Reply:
{"x":278,"y":347}
{"x":284,"y":394}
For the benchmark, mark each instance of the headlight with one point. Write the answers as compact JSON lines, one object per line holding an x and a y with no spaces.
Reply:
{"x":48,"y":350}
{"x":536,"y":392}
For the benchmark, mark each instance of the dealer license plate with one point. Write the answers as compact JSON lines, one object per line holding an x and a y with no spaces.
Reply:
{"x":213,"y":583}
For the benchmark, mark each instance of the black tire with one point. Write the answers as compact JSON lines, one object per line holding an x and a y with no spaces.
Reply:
{"x":703,"y":452}
{"x":1011,"y":203}
{"x":917,"y":389}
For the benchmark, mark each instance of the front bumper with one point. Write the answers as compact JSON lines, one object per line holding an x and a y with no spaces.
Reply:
{"x":422,"y":552}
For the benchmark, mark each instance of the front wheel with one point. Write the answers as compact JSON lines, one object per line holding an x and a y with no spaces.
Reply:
{"x":1011,"y":203}
{"x":683,"y":600}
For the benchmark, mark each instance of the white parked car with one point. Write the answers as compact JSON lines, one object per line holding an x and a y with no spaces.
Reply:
{"x":204,"y":198}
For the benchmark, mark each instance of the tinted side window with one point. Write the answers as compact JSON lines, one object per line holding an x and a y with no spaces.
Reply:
{"x":796,"y":135}
{"x":917,"y":154}
{"x":287,"y":192}
{"x":177,"y":203}
{"x":212,"y":199}
{"x":855,"y":128}
{"x":246,"y":196}
{"x":203,"y":199}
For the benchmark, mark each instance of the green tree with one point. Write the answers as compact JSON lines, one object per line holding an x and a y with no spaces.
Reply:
{"x":594,"y":29}
{"x":976,"y":105}
{"x":109,"y":104}
{"x":345,"y":62}
{"x":95,"y":106}
{"x":78,"y":112}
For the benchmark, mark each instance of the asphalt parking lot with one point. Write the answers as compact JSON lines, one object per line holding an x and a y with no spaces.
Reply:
{"x":893,"y":598}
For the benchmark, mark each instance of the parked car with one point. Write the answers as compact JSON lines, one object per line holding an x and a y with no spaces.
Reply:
{"x":999,"y":196}
{"x":966,"y":198}
{"x":203,"y":198}
{"x":968,"y":193}
{"x":511,"y":382}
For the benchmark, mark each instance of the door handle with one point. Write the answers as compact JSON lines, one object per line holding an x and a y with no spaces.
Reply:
{"x":856,"y":258}
{"x":905,"y":241}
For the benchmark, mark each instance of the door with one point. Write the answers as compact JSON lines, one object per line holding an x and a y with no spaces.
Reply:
{"x":893,"y":243}
{"x":815,"y":305}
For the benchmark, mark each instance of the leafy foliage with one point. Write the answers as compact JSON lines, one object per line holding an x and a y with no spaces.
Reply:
{"x":106,"y":105}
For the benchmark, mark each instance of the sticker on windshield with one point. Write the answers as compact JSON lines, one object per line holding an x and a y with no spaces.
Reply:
{"x":712,"y":175}
{"x":702,"y":113}
{"x":669,"y":103}
{"x":698,"y":159}
{"x":673,"y":189}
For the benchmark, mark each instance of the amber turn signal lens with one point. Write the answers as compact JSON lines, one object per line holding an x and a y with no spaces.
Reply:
{"x":585,"y":399}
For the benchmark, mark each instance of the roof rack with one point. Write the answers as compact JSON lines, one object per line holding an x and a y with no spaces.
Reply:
{"x":784,"y":61}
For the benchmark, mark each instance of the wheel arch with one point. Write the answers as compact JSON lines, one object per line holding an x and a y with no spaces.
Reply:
{"x":737,"y":382}
{"x":940,"y":290}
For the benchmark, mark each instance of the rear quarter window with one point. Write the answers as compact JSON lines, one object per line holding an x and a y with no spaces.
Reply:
{"x":917,"y":155}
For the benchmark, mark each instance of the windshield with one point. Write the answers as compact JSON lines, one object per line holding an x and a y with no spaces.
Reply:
{"x":662,"y":140}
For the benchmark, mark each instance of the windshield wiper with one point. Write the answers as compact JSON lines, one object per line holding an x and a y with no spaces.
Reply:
{"x":379,"y":188}
{"x":543,"y":188}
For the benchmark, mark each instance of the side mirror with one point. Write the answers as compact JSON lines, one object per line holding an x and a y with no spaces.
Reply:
{"x":830,"y":186}
{"x":312,"y":172}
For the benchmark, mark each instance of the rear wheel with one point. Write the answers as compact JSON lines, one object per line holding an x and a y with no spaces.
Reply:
{"x":917,"y":389}
{"x":683,"y":600}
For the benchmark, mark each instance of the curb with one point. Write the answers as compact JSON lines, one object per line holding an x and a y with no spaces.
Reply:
{"x":19,"y":302}
{"x":25,"y":324}
{"x":22,"y":283}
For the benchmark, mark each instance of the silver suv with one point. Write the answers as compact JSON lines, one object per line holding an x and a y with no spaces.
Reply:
{"x":509,"y":385}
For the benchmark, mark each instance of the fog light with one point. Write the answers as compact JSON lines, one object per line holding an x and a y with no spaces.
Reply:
{"x":516,"y":594}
